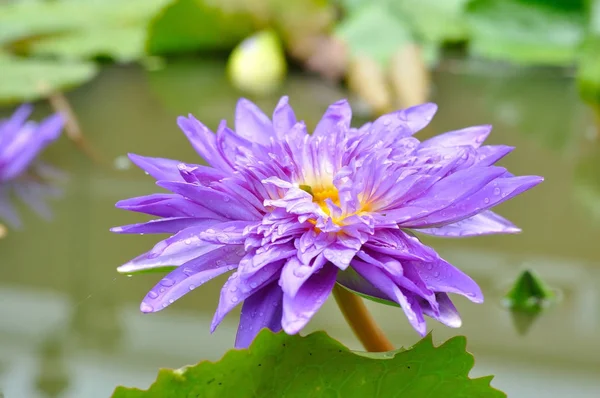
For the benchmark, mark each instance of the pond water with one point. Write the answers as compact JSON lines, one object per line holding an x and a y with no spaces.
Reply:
{"x":70,"y":326}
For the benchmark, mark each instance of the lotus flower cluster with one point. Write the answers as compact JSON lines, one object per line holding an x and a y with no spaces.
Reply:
{"x":21,"y":174}
{"x":290,"y":214}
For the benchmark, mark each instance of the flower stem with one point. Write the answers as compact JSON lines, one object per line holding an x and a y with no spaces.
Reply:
{"x":360,"y":320}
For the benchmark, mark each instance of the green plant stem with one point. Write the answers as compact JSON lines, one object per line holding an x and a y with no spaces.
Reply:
{"x":360,"y":320}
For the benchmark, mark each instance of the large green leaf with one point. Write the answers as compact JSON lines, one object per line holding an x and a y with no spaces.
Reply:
{"x":30,"y":79}
{"x":588,"y":73}
{"x":374,"y":31}
{"x":76,"y":29}
{"x":191,"y":25}
{"x":278,"y":365}
{"x":525,"y":31}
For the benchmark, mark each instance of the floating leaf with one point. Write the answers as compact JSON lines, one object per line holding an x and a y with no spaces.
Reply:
{"x":192,"y":25}
{"x":526,"y":32}
{"x":434,"y":20}
{"x":588,"y":73}
{"x":528,"y":297}
{"x":122,"y":44}
{"x":30,"y":79}
{"x":278,"y":365}
{"x":373,"y":31}
{"x":38,"y":18}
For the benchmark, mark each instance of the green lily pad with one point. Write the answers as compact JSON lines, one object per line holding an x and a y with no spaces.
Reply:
{"x":192,"y":25}
{"x":526,"y":32}
{"x":374,"y":31}
{"x":25,"y":79}
{"x":279,"y":365}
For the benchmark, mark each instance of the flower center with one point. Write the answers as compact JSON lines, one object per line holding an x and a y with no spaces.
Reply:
{"x":321,"y":193}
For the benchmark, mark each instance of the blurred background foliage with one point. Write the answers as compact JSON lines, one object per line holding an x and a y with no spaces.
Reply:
{"x":382,"y":49}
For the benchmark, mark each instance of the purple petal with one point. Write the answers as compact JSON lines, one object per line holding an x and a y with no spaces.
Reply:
{"x":251,"y":123}
{"x":214,"y":200}
{"x":471,"y":136}
{"x":159,"y":168}
{"x":441,"y":276}
{"x":351,"y":280}
{"x":294,"y":273}
{"x":490,"y":154}
{"x":283,"y":118}
{"x":229,"y":233}
{"x":27,"y":145}
{"x":189,"y":276}
{"x":11,"y":127}
{"x":166,"y":205}
{"x":385,"y":283}
{"x":164,"y":226}
{"x":261,"y":310}
{"x":236,"y":290}
{"x":405,"y":122}
{"x":337,"y":114}
{"x":485,"y":223}
{"x":449,"y":190}
{"x":175,"y":250}
{"x":204,"y":141}
{"x":501,"y":190}
{"x":447,"y":312}
{"x":298,"y":310}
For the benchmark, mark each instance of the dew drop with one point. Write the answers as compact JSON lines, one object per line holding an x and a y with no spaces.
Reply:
{"x":165,"y":305}
{"x":234,"y":299}
{"x":192,"y":287}
{"x":233,"y":289}
{"x":171,"y":301}
{"x":429,"y":266}
{"x":188,"y":241}
{"x":167,"y":282}
{"x":231,"y":267}
{"x":220,"y":263}
{"x":436,"y":274}
{"x":210,"y":231}
{"x":226,"y":198}
{"x":253,"y":285}
{"x":486,"y":200}
{"x":188,"y":271}
{"x":145,"y":307}
{"x":496,"y":191}
{"x":162,"y":290}
{"x":152,"y":294}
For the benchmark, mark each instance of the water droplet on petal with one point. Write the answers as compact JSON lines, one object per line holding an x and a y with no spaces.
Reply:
{"x":253,"y":285}
{"x":436,"y":274}
{"x":145,"y":307}
{"x":233,"y":289}
{"x":162,"y":290}
{"x":171,"y":301}
{"x":165,"y":305}
{"x":226,"y":198}
{"x":234,"y":299}
{"x":167,"y":282}
{"x":220,"y":263}
{"x":188,"y":241}
{"x":429,"y":266}
{"x":152,"y":294}
{"x":231,"y":267}
{"x":188,"y":271}
{"x":192,"y":287}
{"x":486,"y":200}
{"x":210,"y":231}
{"x":496,"y":191}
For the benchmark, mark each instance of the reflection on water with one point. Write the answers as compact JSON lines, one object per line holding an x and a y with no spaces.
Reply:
{"x":71,"y":326}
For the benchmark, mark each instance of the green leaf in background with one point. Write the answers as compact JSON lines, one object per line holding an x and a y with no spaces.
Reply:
{"x":30,"y":79}
{"x":122,"y":44}
{"x":278,"y":365}
{"x":30,"y":19}
{"x":588,"y":73}
{"x":374,"y":31}
{"x":192,"y":25}
{"x":526,"y":31}
{"x":528,"y":297}
{"x":433,"y":20}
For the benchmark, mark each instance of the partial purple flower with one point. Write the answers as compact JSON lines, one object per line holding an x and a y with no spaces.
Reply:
{"x":21,"y":174}
{"x":292,"y":213}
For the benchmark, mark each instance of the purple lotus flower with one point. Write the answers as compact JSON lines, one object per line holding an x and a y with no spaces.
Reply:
{"x":21,"y":174}
{"x":293,"y":213}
